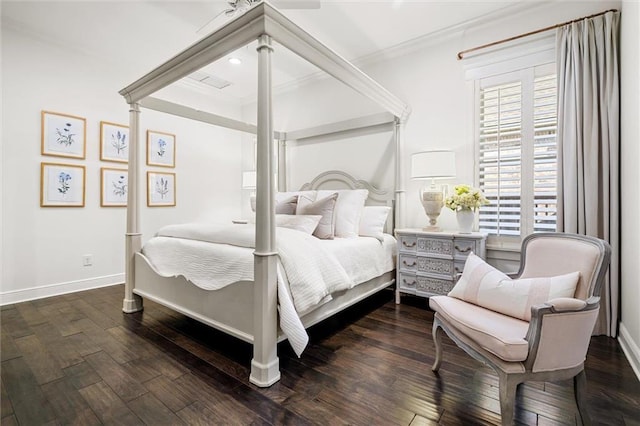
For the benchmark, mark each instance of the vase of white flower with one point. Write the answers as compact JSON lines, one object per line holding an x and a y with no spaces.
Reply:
{"x":465,"y":218}
{"x":465,"y":200}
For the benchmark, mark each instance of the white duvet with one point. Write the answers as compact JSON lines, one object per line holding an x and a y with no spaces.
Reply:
{"x":212,"y":256}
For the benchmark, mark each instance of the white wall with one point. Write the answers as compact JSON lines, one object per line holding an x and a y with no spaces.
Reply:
{"x":630,"y":176}
{"x":42,"y":248}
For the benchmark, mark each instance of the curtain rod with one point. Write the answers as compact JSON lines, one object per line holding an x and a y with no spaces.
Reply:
{"x":462,"y":53}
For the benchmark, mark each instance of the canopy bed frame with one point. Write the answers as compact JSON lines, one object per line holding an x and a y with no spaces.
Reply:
{"x":265,"y":24}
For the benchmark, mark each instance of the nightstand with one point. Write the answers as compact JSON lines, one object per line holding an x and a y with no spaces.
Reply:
{"x":428,"y":262}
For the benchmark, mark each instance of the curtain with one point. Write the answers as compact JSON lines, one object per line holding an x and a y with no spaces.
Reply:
{"x":589,"y":143}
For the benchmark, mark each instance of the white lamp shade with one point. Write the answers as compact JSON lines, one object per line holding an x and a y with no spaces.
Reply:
{"x":433,"y":165}
{"x":249,"y":180}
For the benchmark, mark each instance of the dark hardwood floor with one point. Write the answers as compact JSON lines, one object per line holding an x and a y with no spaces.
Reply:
{"x":77,"y":359}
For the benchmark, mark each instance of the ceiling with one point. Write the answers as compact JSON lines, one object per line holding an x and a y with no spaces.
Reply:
{"x":143,"y":34}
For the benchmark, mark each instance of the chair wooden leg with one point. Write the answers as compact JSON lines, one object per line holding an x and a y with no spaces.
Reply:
{"x":437,"y":339}
{"x":580,"y":391}
{"x":508,"y":385}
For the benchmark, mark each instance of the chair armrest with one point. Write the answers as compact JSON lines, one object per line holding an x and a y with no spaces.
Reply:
{"x":564,"y":304}
{"x":559,"y":333}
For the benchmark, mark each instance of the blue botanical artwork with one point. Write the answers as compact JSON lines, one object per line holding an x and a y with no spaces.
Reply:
{"x":162,"y":145}
{"x":119,"y":187}
{"x":62,"y":185}
{"x":161,"y":187}
{"x":63,"y":135}
{"x":160,"y":149}
{"x":114,"y":187}
{"x":114,"y":142}
{"x":119,"y":141}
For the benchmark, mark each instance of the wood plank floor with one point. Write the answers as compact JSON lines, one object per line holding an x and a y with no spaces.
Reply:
{"x":77,"y":359}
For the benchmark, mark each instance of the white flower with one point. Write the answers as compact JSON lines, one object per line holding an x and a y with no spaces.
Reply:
{"x":465,"y":197}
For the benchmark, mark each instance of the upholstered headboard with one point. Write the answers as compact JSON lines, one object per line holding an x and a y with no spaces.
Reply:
{"x":335,"y":179}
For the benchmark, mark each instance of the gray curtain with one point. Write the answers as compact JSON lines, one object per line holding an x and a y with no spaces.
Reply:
{"x":589,"y":143}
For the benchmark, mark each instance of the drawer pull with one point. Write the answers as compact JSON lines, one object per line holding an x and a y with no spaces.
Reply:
{"x":409,"y":283}
{"x":404,"y":262}
{"x":463,"y":250}
{"x":413,"y":244}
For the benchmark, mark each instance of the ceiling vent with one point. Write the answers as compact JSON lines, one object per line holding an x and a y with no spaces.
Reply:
{"x":209,"y":80}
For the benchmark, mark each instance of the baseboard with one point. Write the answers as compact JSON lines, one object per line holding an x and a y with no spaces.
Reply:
{"x":33,"y":293}
{"x":630,"y":349}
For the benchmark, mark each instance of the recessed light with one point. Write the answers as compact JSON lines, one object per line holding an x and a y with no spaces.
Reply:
{"x":235,"y":61}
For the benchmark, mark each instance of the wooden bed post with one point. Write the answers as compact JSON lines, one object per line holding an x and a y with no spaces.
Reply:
{"x":265,"y":368}
{"x":399,"y":184}
{"x":133,"y":238}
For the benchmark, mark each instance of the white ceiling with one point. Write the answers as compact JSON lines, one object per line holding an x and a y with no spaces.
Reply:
{"x":142,"y":34}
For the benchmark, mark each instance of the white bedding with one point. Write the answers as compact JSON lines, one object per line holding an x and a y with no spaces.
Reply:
{"x":212,"y":256}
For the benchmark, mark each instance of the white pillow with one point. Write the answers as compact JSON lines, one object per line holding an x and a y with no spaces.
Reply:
{"x":303,"y":223}
{"x":373,"y":220}
{"x":324,"y":207}
{"x":483,"y":285}
{"x":348,"y":210}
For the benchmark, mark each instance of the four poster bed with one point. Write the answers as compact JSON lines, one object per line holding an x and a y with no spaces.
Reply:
{"x":249,"y":308}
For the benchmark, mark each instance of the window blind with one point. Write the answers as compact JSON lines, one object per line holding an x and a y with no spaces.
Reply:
{"x":517,"y":155}
{"x":545,"y":154}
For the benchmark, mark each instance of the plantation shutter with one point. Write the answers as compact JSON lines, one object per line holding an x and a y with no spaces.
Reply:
{"x":517,"y":152}
{"x":500,"y":150}
{"x":545,"y":155}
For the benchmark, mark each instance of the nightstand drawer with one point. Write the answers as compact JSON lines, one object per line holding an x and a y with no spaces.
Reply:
{"x":407,"y":243}
{"x":432,"y":286}
{"x":435,"y":246}
{"x":463,"y":247}
{"x":407,"y":281}
{"x":407,"y":262}
{"x":431,"y":265}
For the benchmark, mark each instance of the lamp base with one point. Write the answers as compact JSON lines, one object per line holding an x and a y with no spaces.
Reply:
{"x":432,"y":228}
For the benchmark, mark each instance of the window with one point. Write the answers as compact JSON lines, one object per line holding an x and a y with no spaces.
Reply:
{"x":517,"y":151}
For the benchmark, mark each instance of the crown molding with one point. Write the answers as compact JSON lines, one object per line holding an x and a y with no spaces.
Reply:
{"x":416,"y":44}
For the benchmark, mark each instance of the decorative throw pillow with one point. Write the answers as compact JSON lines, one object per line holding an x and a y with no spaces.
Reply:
{"x":483,"y":285}
{"x":348,"y":210}
{"x":287,"y":206}
{"x":303,"y":223}
{"x":304,"y":198}
{"x":373,"y":220}
{"x":285,"y":203}
{"x":324,"y":207}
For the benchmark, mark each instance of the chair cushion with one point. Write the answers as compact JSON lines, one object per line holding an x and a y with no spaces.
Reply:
{"x":499,"y":334}
{"x":483,"y":285}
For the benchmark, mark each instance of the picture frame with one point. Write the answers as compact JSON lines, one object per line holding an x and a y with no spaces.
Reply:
{"x":114,"y":184}
{"x":114,"y":142}
{"x":62,"y":185}
{"x":161,"y":189}
{"x":63,"y":135}
{"x":161,"y":149}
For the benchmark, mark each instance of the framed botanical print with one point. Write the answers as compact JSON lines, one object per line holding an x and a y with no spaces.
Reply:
{"x":114,"y":184}
{"x":63,"y":135}
{"x":114,"y":142}
{"x":62,"y":185}
{"x":161,"y":149}
{"x":161,"y":189}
